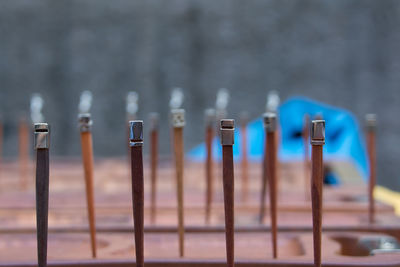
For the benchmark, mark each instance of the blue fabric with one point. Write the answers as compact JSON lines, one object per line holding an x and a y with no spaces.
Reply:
{"x":343,"y":138}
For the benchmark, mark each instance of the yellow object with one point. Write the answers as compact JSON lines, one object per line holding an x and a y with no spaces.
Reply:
{"x":388,"y":197}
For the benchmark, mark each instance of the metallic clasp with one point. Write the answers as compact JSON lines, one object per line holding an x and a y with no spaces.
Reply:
{"x":227,"y":132}
{"x":85,"y":122}
{"x":269,"y":119}
{"x":178,"y":118}
{"x":370,"y":122}
{"x":136,"y":133}
{"x":41,"y":136}
{"x":317,"y":132}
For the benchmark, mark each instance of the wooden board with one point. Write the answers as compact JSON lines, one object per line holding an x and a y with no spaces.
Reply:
{"x":345,"y":214}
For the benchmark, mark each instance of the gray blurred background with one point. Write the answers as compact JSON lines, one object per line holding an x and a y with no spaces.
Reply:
{"x":345,"y":53}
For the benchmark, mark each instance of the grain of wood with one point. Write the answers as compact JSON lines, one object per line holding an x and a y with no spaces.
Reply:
{"x":244,"y":168}
{"x":209,"y":173}
{"x":271,"y":175}
{"x":306,"y":142}
{"x":153,"y":169}
{"x":42,"y":204}
{"x":23,"y":153}
{"x":138,"y":202}
{"x":178,"y":153}
{"x":1,"y":145}
{"x":372,"y":175}
{"x":263,"y":184}
{"x":228,"y":181}
{"x":87,"y":158}
{"x":316,"y":198}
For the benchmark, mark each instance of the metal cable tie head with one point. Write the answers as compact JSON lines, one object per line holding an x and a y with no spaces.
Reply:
{"x":178,"y":118}
{"x":317,"y":132}
{"x":269,"y":121}
{"x":41,"y":136}
{"x":227,"y":132}
{"x":136,"y":133}
{"x":85,"y":122}
{"x":370,"y":122}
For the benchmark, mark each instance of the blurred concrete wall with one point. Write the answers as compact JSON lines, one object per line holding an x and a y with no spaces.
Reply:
{"x":342,"y":52}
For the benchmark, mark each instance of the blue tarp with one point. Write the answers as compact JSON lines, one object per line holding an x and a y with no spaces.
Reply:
{"x":343,"y":138}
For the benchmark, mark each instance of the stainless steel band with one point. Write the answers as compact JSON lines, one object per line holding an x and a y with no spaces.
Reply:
{"x":136,"y":133}
{"x":41,"y":136}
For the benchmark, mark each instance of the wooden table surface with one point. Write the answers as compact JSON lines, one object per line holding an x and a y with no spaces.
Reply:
{"x":345,"y":214}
